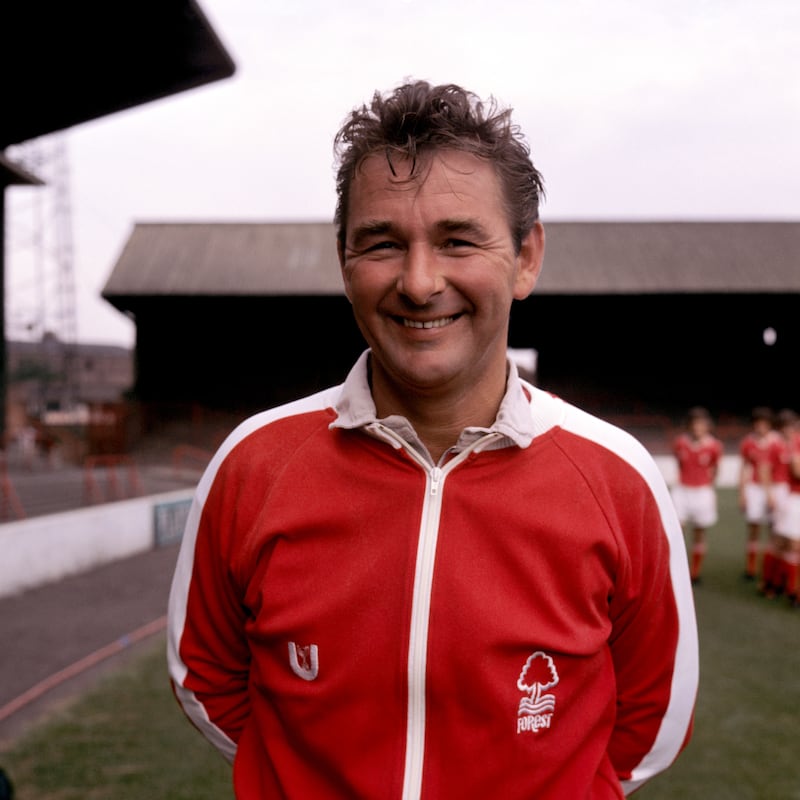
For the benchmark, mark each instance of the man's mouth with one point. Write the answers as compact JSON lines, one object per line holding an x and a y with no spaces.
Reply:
{"x":431,"y":323}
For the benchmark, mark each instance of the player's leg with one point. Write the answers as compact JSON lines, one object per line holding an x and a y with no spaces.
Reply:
{"x":771,"y":571}
{"x":699,"y":549}
{"x":703,"y":515}
{"x":792,"y":572}
{"x":752,"y":551}
{"x":790,"y":563}
{"x":756,"y":513}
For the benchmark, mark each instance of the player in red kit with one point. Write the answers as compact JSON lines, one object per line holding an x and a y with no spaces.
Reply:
{"x":756,"y":450}
{"x":698,"y":453}
{"x":782,"y":557}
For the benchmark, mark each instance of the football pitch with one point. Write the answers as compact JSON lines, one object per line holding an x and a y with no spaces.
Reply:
{"x":127,"y":739}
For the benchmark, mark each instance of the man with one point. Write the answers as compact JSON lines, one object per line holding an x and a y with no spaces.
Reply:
{"x":698,"y":453}
{"x":755,"y":481}
{"x":435,"y":581}
{"x":788,"y":523}
{"x":781,"y":560}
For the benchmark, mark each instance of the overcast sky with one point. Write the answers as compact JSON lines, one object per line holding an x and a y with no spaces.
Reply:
{"x":634,"y":109}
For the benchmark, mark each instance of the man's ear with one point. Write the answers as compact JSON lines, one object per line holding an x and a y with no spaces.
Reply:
{"x":529,"y":262}
{"x":345,"y":281}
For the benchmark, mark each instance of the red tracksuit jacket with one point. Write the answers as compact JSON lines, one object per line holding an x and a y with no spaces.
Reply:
{"x":348,"y":620}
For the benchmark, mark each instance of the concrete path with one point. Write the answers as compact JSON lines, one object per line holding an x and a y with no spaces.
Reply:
{"x":61,"y":628}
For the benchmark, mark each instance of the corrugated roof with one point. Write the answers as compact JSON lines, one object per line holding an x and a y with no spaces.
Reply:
{"x":667,"y":257}
{"x":227,"y":259}
{"x":581,"y":258}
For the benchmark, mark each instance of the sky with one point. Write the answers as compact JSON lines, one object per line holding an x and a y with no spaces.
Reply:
{"x":634,"y":110}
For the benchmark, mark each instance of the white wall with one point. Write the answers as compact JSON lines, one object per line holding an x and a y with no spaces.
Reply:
{"x":42,"y":549}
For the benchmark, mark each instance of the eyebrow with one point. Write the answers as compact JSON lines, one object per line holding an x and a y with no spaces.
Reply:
{"x":368,"y":229}
{"x":462,"y":225}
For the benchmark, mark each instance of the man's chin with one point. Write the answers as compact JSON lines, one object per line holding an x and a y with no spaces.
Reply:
{"x":418,"y":378}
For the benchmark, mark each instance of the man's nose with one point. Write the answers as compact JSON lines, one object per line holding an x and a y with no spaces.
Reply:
{"x":421,"y":277}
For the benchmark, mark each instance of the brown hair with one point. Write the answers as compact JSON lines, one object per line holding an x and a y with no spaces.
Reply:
{"x":698,"y":412}
{"x":763,"y":413}
{"x":417,"y":118}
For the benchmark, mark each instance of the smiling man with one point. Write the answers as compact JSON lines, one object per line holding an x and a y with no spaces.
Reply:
{"x":435,"y":580}
{"x":431,"y":268}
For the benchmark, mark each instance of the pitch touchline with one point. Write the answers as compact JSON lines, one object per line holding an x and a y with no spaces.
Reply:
{"x":117,"y":646}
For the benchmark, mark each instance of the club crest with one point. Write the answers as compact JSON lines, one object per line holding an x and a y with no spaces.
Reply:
{"x":538,"y":676}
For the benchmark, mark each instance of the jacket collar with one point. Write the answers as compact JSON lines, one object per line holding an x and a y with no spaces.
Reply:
{"x":355,"y":408}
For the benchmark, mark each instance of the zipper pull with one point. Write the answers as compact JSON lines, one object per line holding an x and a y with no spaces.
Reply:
{"x":436,"y":478}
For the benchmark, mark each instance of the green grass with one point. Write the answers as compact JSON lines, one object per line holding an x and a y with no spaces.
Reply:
{"x":127,"y":739}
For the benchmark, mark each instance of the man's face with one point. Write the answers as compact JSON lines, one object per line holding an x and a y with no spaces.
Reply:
{"x":430,"y":268}
{"x":762,"y":427}
{"x":699,"y":427}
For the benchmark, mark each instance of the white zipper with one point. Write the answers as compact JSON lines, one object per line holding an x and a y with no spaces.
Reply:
{"x":420,"y":618}
{"x":435,"y":479}
{"x":418,"y":638}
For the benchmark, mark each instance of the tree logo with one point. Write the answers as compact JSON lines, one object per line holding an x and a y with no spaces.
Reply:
{"x":536,"y":709}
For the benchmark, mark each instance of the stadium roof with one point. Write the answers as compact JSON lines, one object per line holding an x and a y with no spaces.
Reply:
{"x":12,"y":174}
{"x":266,"y":259}
{"x":68,"y":63}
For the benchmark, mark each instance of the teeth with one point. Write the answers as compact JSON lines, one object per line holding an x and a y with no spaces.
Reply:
{"x":434,"y":323}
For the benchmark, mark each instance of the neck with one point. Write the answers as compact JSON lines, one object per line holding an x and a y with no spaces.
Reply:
{"x":439,"y":416}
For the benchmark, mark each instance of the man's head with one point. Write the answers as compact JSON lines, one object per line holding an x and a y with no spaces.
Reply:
{"x":433,"y":245}
{"x":763,"y":419}
{"x":699,"y":421}
{"x":417,"y":119}
{"x":786,"y":421}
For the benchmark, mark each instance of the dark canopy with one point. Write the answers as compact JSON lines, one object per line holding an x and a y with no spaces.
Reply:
{"x":67,"y":63}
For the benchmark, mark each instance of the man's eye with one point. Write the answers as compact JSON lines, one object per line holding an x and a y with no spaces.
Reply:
{"x":458,"y":243}
{"x":384,"y":245}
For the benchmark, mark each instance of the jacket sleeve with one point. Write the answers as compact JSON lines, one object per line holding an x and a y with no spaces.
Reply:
{"x":208,"y":657}
{"x":654,"y":637}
